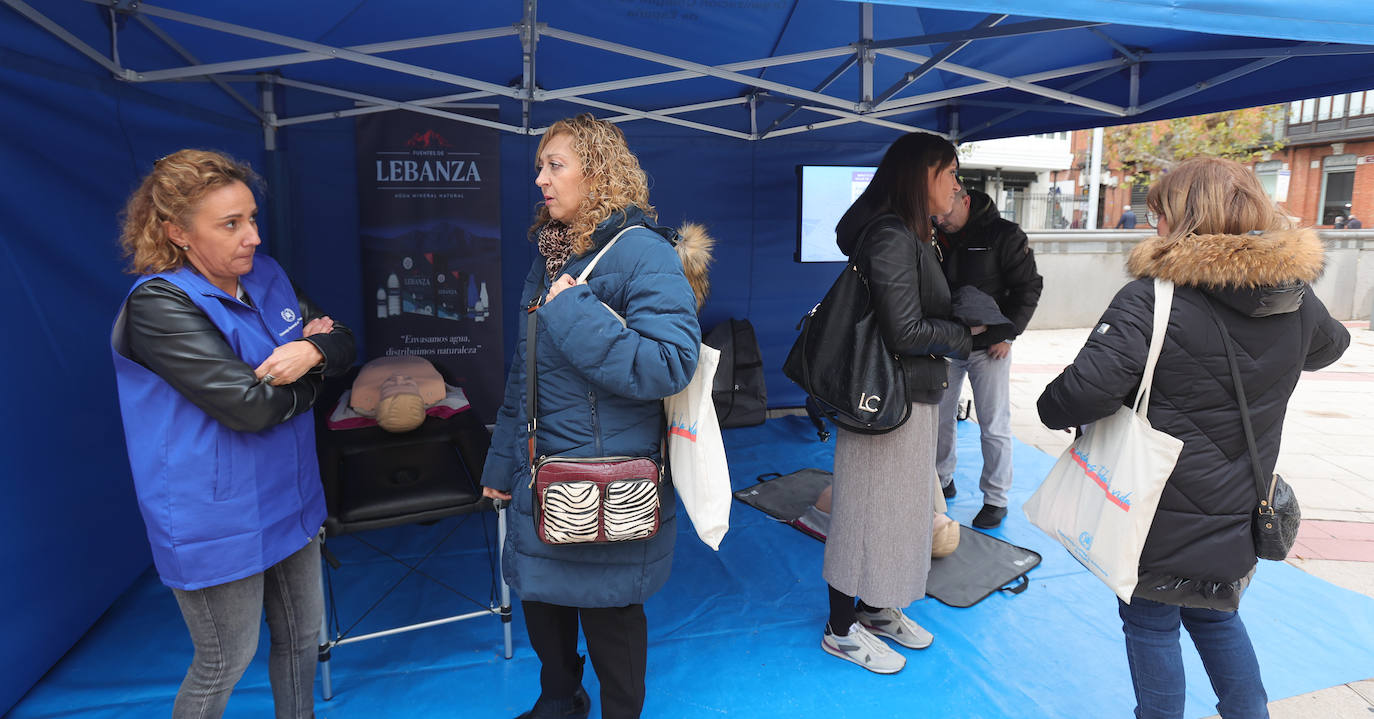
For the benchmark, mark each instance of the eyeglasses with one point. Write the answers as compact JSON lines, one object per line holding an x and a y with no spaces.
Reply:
{"x":1152,"y":217}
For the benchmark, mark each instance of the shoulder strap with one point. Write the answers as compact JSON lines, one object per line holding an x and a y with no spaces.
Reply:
{"x":531,"y":343}
{"x":1260,"y":487}
{"x":588,"y":269}
{"x":1164,"y":301}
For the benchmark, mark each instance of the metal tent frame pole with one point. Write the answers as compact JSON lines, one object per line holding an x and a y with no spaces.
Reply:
{"x":880,"y":108}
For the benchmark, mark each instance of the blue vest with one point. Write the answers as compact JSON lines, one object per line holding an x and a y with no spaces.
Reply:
{"x":220,"y":505}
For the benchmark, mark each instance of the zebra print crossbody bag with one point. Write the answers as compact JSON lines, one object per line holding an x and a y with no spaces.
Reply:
{"x":587,"y":500}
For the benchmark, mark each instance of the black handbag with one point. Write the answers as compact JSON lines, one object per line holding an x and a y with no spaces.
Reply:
{"x":840,"y":360}
{"x":1274,"y":523}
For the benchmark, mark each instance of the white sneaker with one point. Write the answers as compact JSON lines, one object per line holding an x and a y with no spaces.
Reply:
{"x":898,"y":627}
{"x":863,"y":649}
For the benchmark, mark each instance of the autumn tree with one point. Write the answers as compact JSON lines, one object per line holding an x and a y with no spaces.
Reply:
{"x":1147,"y":149}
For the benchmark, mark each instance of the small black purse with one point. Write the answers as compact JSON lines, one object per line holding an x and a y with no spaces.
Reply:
{"x":1274,"y":523}
{"x":840,"y":360}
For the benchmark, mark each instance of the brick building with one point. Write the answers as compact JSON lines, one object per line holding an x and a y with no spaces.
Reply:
{"x":1325,"y":169}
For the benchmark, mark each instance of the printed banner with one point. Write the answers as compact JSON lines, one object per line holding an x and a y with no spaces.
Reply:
{"x":429,"y":204}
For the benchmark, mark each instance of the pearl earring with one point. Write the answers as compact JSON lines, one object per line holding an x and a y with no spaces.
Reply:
{"x":185,"y":248}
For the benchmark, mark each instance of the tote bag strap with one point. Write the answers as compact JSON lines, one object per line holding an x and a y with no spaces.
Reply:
{"x":1265,"y":492}
{"x":588,"y":269}
{"x":1164,"y":301}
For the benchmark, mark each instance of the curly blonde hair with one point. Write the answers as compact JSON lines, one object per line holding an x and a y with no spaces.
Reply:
{"x":611,"y":176}
{"x":172,"y":192}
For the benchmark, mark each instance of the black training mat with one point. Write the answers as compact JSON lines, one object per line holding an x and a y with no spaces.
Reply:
{"x":784,"y":497}
{"x":980,"y":566}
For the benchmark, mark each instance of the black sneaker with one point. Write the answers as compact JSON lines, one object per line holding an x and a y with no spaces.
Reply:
{"x":989,"y":517}
{"x":949,"y":490}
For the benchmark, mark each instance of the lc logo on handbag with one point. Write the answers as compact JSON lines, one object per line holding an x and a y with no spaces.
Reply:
{"x":869,"y":402}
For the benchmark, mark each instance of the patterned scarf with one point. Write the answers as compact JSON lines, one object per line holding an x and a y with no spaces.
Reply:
{"x":555,"y":244}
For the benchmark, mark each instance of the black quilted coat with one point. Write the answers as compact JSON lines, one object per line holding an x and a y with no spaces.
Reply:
{"x":1199,"y":552}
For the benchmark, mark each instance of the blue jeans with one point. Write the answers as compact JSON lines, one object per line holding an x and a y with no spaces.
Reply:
{"x":224,"y":621}
{"x":1152,"y":648}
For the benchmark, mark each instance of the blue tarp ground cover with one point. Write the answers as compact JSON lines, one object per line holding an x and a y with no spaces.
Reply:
{"x":76,"y":141}
{"x":736,"y":633}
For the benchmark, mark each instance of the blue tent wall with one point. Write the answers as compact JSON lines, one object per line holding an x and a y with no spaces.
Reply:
{"x":75,"y":145}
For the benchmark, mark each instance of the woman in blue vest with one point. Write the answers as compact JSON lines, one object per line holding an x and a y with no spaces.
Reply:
{"x":218,"y":361}
{"x":600,"y":383}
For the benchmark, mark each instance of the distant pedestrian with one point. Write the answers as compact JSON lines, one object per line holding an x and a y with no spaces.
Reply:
{"x":1338,"y":223}
{"x":1127,"y":221}
{"x":1353,"y":223}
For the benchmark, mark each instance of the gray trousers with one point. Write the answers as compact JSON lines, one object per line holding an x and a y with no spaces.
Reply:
{"x":991,"y":382}
{"x":224,"y":622}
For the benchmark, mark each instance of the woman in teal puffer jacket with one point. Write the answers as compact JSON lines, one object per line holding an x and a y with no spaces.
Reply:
{"x":600,"y":386}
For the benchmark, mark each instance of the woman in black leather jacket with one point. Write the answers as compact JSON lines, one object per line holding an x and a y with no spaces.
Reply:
{"x":218,"y":361}
{"x":883,"y":500}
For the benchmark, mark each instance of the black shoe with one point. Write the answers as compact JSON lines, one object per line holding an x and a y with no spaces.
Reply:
{"x":989,"y":517}
{"x":949,"y":490}
{"x":576,"y":707}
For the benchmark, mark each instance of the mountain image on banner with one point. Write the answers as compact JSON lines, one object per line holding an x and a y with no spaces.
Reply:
{"x":427,"y":139}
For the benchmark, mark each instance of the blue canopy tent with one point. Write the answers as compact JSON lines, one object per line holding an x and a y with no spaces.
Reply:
{"x":720,"y":98}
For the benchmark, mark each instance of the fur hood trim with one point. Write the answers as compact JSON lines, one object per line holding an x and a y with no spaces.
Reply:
{"x":1273,"y":258}
{"x":694,"y":247}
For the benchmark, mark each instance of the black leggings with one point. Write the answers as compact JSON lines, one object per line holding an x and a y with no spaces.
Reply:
{"x":617,"y":640}
{"x":842,"y":611}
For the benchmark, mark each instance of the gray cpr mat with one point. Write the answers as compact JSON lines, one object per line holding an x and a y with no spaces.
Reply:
{"x":980,"y":566}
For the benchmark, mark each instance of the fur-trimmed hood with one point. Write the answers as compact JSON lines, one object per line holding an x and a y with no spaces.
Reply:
{"x":694,"y":247}
{"x":1256,"y":275}
{"x":1277,"y":258}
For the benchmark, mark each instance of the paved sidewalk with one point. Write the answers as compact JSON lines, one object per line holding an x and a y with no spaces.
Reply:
{"x":1327,"y":456}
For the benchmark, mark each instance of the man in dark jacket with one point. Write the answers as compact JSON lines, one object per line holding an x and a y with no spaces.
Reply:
{"x":982,"y":250}
{"x":1127,"y":221}
{"x":1353,"y":223}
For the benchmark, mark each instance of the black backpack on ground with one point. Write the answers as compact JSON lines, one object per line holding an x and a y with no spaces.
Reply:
{"x":738,"y":392}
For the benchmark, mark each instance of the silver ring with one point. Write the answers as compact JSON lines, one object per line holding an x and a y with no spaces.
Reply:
{"x":268,"y":378}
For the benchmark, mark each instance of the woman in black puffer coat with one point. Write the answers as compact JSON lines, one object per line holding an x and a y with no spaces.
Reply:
{"x":1222,"y":243}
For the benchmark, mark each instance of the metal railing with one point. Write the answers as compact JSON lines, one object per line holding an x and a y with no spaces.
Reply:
{"x":1044,"y":211}
{"x":1099,"y":241}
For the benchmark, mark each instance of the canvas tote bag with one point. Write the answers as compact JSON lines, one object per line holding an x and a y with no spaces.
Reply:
{"x":1100,"y":498}
{"x":696,"y":453}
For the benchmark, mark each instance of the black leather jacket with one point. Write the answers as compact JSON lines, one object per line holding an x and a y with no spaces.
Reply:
{"x":165,"y":332}
{"x":910,"y":296}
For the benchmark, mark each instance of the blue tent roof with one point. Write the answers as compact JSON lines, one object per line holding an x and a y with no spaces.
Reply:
{"x":750,"y":69}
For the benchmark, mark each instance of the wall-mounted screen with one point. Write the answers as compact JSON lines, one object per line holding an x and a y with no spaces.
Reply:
{"x":826,"y":192}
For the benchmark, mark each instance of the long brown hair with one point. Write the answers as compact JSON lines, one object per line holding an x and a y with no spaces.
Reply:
{"x":611,"y":176}
{"x":172,"y":192}
{"x":1213,"y":196}
{"x":902,"y":181}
